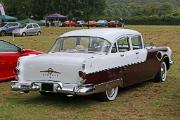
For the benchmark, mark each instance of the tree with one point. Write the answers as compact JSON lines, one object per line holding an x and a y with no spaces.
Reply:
{"x":38,"y":9}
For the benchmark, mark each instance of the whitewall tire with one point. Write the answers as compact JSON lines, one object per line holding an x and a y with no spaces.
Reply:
{"x":162,"y":74}
{"x":109,"y":95}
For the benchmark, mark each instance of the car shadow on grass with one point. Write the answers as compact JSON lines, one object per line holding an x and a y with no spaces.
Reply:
{"x":80,"y":101}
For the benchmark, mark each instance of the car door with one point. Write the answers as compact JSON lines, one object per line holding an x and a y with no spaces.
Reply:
{"x":127,"y":63}
{"x":29,"y":29}
{"x":8,"y":59}
{"x":140,"y":55}
{"x":35,"y":29}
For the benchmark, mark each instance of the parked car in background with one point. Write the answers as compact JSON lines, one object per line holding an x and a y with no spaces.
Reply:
{"x":27,"y":29}
{"x":112,"y":23}
{"x":9,"y":54}
{"x":101,"y":23}
{"x":8,"y":27}
{"x":93,"y":61}
{"x":80,"y":23}
{"x":69,"y":24}
{"x":91,"y":23}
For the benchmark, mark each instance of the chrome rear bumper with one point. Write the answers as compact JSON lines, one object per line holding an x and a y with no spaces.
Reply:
{"x":57,"y":88}
{"x":73,"y":89}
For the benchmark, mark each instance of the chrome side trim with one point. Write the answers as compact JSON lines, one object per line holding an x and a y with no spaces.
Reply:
{"x":74,"y":89}
{"x":171,"y":62}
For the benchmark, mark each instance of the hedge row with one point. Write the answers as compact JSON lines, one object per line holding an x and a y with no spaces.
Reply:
{"x":154,"y":20}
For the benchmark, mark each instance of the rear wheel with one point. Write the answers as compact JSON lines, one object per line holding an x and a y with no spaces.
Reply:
{"x":38,"y":33}
{"x":109,"y":95}
{"x":23,"y":34}
{"x":162,"y":74}
{"x":43,"y":93}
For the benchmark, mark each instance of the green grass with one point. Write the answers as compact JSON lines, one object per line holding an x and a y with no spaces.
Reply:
{"x":146,"y":101}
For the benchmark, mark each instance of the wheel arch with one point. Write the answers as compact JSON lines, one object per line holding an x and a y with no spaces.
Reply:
{"x":4,"y":31}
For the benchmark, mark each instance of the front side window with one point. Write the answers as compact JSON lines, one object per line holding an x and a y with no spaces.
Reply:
{"x":81,"y":44}
{"x":123,"y":44}
{"x":29,"y":26}
{"x":7,"y":47}
{"x":136,"y":42}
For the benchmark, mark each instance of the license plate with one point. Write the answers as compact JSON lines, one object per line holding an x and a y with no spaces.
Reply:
{"x":47,"y":87}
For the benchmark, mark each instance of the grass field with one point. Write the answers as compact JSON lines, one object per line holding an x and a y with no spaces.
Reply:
{"x":146,"y":101}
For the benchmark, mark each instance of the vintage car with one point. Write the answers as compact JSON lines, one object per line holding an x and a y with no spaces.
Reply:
{"x":91,"y":23}
{"x":9,"y":54}
{"x":80,"y":23}
{"x":69,"y":24}
{"x":112,"y":23}
{"x":101,"y":23}
{"x":89,"y":61}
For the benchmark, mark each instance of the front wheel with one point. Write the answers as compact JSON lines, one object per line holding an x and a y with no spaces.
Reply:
{"x":38,"y":33}
{"x":43,"y":93}
{"x":109,"y":95}
{"x":162,"y":74}
{"x":3,"y":33}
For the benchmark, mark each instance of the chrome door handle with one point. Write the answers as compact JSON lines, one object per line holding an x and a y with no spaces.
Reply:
{"x":122,"y":55}
{"x":137,"y":53}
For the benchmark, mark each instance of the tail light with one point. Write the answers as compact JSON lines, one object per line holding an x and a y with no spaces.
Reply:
{"x":82,"y":74}
{"x":16,"y":71}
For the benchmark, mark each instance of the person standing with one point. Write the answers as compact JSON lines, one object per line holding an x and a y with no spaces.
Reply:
{"x":121,"y":22}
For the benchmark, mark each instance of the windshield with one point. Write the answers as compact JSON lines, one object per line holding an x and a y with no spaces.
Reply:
{"x":81,"y":45}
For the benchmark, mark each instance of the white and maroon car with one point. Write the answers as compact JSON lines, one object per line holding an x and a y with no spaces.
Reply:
{"x":84,"y":62}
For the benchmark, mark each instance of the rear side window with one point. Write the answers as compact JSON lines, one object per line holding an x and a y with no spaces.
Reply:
{"x":123,"y":44}
{"x":35,"y":25}
{"x":14,"y":24}
{"x":136,"y":42}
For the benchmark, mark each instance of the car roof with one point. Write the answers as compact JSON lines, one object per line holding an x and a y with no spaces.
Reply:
{"x":31,"y":23}
{"x":110,"y":34}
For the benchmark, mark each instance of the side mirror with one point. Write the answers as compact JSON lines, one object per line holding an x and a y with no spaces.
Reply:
{"x":20,"y":50}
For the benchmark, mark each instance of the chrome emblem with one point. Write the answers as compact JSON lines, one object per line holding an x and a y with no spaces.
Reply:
{"x":50,"y":71}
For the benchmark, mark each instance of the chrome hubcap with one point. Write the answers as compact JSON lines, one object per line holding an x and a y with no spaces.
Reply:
{"x":111,"y":92}
{"x":163,"y":71}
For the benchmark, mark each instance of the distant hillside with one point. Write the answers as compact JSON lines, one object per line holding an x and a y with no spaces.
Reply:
{"x":129,"y":8}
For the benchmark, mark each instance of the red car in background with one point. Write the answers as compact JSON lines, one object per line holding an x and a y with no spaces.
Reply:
{"x":69,"y":24}
{"x":9,"y":54}
{"x":91,"y":23}
{"x":112,"y":23}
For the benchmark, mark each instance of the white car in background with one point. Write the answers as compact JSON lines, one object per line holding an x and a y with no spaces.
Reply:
{"x":28,"y":29}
